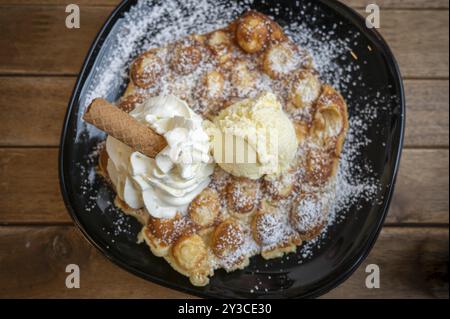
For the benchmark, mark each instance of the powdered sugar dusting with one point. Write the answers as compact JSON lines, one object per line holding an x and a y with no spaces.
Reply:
{"x":155,"y":23}
{"x":151,"y":24}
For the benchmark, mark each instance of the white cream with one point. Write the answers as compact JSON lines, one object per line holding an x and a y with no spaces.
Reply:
{"x":167,"y":184}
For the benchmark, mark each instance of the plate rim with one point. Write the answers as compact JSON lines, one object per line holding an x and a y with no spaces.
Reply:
{"x":354,"y":263}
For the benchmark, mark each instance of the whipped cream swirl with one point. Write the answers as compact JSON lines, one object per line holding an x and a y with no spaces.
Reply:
{"x":166,"y":184}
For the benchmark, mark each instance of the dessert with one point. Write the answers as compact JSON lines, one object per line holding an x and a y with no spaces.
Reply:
{"x":262,"y":134}
{"x":224,"y":145}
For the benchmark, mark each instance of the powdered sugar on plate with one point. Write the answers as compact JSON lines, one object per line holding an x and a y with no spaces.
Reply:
{"x":156,"y":23}
{"x":153,"y":24}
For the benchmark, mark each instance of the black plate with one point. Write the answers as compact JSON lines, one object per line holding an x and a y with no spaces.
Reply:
{"x":347,"y":243}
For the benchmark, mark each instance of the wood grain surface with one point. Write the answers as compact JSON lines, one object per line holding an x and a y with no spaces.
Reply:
{"x":39,"y":61}
{"x":421,"y":194}
{"x":427,"y":120}
{"x":39,"y":43}
{"x":385,"y":4}
{"x":407,"y":257}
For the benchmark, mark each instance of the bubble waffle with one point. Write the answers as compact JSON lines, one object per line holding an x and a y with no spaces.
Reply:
{"x":204,"y":210}
{"x":234,"y":218}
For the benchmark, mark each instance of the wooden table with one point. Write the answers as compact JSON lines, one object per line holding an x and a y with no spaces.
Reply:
{"x":39,"y":61}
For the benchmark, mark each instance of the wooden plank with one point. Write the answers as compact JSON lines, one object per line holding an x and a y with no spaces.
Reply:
{"x":427,"y":120}
{"x":419,"y":40}
{"x":427,"y":111}
{"x":33,"y":264}
{"x":399,"y":4}
{"x":32,"y":109}
{"x":29,"y":187}
{"x":421,"y":194}
{"x":412,"y":262}
{"x":36,"y":40}
{"x":403,"y":4}
{"x":29,"y":191}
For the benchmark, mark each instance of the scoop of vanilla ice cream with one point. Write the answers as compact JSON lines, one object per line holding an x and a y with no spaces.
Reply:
{"x":254,"y":137}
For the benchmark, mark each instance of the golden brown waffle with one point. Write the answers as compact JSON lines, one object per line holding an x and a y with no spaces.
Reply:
{"x":236,"y":218}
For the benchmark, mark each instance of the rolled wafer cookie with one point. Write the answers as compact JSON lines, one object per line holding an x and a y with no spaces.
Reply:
{"x":122,"y":126}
